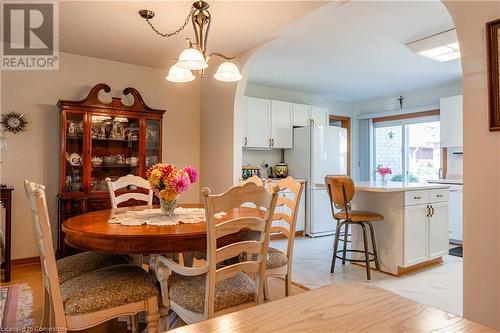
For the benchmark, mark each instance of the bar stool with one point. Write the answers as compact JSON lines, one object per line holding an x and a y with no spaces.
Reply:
{"x":341,"y":191}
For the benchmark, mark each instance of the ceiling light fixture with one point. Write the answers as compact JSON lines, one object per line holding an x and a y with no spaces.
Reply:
{"x":195,"y":57}
{"x":442,"y":46}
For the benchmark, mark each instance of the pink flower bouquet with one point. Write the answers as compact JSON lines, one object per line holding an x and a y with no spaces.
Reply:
{"x":383,"y":172}
{"x":168,"y":182}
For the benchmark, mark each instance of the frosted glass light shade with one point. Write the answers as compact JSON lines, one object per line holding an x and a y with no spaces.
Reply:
{"x":177,"y":74}
{"x":191,"y":59}
{"x":228,"y":72}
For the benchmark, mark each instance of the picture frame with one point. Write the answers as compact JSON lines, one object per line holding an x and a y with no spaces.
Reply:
{"x":493,"y":60}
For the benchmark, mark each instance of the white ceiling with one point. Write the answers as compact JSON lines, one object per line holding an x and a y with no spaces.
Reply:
{"x":355,"y":51}
{"x":113,"y":29}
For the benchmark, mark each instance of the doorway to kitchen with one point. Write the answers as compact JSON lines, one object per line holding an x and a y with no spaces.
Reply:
{"x":343,"y":122}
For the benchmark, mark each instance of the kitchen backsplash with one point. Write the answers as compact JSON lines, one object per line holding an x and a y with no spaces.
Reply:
{"x":259,"y":157}
{"x":455,"y":163}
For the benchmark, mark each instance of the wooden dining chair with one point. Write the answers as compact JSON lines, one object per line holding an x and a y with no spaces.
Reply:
{"x":125,"y":182}
{"x":199,"y":293}
{"x":341,"y":190}
{"x":92,"y":298}
{"x":284,"y":222}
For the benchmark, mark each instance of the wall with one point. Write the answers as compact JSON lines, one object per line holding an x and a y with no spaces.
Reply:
{"x":481,"y":167}
{"x":335,"y":107}
{"x":35,"y":93}
{"x":412,"y":99}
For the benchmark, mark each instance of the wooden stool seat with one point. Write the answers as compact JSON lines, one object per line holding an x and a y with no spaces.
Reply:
{"x":341,"y":191}
{"x":359,"y":216}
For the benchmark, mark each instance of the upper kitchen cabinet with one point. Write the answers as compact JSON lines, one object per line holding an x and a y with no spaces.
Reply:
{"x":281,"y":125}
{"x":301,"y":115}
{"x":306,"y":115}
{"x":451,"y":121}
{"x":319,"y":116}
{"x":257,"y":123}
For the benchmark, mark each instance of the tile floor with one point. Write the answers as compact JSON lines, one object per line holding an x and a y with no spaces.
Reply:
{"x":439,"y":286}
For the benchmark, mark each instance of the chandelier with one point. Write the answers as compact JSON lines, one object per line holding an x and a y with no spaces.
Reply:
{"x":195,"y":57}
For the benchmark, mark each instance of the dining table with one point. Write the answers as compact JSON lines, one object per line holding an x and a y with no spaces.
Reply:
{"x":93,"y":232}
{"x":338,"y":307}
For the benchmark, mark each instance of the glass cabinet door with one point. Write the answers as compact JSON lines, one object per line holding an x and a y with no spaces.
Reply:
{"x":152,"y":142}
{"x":114,"y":149}
{"x":74,"y":152}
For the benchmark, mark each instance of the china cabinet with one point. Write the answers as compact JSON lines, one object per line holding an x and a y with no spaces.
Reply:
{"x":101,"y":141}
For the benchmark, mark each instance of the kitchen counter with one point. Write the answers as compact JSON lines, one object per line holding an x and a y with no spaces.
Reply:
{"x":446,"y":181}
{"x":414,"y":233}
{"x":377,"y":186}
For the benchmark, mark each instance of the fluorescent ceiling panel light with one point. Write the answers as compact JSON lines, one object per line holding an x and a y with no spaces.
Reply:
{"x":448,"y":56}
{"x":440,"y":47}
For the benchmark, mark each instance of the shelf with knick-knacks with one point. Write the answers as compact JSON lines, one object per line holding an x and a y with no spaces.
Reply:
{"x":100,"y":142}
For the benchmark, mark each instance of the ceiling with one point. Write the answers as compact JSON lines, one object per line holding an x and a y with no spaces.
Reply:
{"x":113,"y":30}
{"x":355,"y":51}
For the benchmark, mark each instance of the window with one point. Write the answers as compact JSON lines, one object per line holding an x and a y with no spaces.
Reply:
{"x":408,"y":145}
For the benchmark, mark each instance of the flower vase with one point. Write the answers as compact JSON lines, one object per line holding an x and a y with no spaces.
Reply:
{"x":168,"y":206}
{"x":383,"y":179}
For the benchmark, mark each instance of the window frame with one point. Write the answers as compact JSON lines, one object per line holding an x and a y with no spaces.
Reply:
{"x":402,"y":120}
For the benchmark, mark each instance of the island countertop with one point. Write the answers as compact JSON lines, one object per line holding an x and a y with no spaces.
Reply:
{"x":377,"y":186}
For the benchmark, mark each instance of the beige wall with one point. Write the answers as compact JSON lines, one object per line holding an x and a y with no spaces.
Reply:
{"x":481,"y":168}
{"x":35,"y":153}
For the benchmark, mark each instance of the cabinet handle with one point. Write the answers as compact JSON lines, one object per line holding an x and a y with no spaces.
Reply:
{"x":417,"y":198}
{"x":272,"y":140}
{"x":428,"y":211}
{"x":269,"y":142}
{"x":439,"y":195}
{"x":312,"y":120}
{"x":246,"y":141}
{"x":432,"y":211}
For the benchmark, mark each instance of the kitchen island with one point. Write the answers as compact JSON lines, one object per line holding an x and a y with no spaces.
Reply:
{"x":414,"y":232}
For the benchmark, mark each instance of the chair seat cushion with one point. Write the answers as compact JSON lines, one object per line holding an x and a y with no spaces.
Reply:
{"x":189,"y":291}
{"x":275,"y":258}
{"x":359,"y":216}
{"x":85,"y":262}
{"x":107,"y":288}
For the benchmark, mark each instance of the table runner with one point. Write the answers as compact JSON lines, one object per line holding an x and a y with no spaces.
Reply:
{"x":155,"y":216}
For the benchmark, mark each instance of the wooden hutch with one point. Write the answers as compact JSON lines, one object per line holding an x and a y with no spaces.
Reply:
{"x":100,"y":141}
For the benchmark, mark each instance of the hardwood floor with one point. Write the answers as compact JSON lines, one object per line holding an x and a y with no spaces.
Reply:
{"x":31,"y":274}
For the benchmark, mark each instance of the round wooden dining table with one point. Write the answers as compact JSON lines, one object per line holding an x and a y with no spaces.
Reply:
{"x":93,"y":232}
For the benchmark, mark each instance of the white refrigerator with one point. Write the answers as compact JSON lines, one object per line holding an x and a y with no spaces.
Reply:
{"x":317,"y":151}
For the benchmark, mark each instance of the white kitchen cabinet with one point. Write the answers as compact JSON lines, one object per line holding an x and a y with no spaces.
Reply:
{"x":258,"y":123}
{"x":319,"y":116}
{"x":415,"y":235}
{"x":451,"y":116}
{"x":438,"y":230}
{"x":301,"y":115}
{"x":425,"y":226}
{"x":301,"y":213}
{"x":281,"y":125}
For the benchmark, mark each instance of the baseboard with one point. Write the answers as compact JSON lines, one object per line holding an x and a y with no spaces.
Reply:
{"x":24,"y":261}
{"x":281,"y":236}
{"x":405,"y":270}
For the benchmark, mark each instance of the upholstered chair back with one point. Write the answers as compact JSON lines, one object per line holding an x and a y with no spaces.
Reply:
{"x":124,"y":182}
{"x":260,"y":222}
{"x":52,"y":293}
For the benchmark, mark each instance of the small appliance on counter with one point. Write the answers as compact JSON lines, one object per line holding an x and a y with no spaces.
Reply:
{"x":281,"y":170}
{"x":250,"y":170}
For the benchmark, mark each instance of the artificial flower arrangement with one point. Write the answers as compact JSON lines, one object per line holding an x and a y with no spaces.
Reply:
{"x":168,"y":182}
{"x":383,"y":172}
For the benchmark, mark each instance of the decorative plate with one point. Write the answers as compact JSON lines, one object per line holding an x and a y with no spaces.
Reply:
{"x":13,"y":122}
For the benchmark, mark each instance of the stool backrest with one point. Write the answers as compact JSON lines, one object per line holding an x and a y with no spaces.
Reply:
{"x":340,"y":188}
